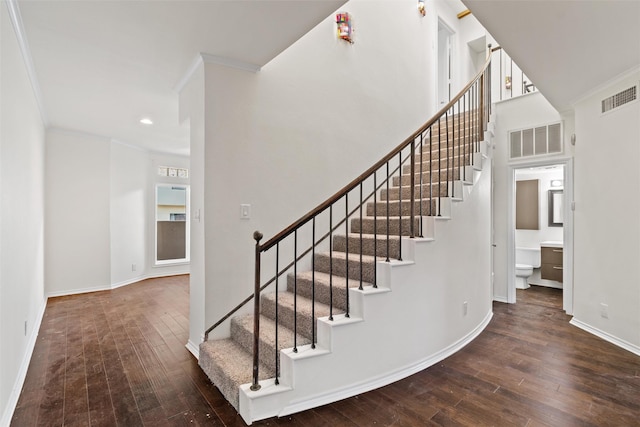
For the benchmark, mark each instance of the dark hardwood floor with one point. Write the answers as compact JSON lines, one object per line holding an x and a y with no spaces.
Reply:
{"x":119,"y":358}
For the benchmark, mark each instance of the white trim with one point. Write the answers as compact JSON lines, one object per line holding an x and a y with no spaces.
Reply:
{"x":188,"y":74}
{"x":113,"y":285}
{"x":228,"y":62}
{"x":617,"y":79}
{"x":16,"y":20}
{"x":12,"y":402}
{"x":605,"y":336}
{"x":382,"y":380}
{"x":193,"y":349}
{"x":207,"y":58}
{"x":501,"y":299}
{"x":567,"y":289}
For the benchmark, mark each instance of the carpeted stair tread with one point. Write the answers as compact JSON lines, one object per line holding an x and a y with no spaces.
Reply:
{"x":322,"y":291}
{"x":339,"y":265}
{"x":286,"y":301}
{"x":404,"y":207}
{"x":370,"y":243}
{"x":396,"y":225}
{"x":242,"y":333}
{"x":229,"y":365}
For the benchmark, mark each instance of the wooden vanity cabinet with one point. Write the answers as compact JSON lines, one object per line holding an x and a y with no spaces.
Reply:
{"x":551,"y":260}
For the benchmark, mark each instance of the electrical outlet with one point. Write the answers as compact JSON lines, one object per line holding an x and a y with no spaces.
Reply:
{"x":604,"y":310}
{"x":465,"y":306}
{"x":134,"y":267}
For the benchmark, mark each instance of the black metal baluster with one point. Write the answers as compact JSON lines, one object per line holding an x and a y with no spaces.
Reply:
{"x":420,"y":183}
{"x":439,"y":165}
{"x":375,"y":229}
{"x":400,"y":209}
{"x":277,"y":278}
{"x":412,"y":184}
{"x":330,"y":262}
{"x":346,"y":223}
{"x":295,"y":291}
{"x":431,"y":171}
{"x":458,"y":142}
{"x":361,"y":266}
{"x":313,"y":283}
{"x":255,"y":385}
{"x":464,"y":136}
{"x":449,"y":159}
{"x":387,"y":183}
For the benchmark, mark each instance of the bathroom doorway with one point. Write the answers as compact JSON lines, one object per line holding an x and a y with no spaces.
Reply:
{"x":541,"y":227}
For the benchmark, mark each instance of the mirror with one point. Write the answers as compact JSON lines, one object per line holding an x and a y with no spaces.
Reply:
{"x":556,"y":210}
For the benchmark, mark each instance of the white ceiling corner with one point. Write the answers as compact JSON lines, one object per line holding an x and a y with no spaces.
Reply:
{"x":102,"y":65}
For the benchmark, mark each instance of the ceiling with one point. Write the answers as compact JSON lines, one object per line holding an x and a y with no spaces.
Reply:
{"x":566,"y":47}
{"x":102,"y":65}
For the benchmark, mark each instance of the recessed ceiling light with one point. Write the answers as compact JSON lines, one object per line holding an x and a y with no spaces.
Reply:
{"x":146,"y":121}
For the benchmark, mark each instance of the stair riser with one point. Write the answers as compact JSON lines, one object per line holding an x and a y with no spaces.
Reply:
{"x":436,"y":165}
{"x":368,"y":224}
{"x":340,"y":268}
{"x":404,"y":208}
{"x":322,"y":292}
{"x":426,"y":177}
{"x":369,"y":245}
{"x":437,"y":190}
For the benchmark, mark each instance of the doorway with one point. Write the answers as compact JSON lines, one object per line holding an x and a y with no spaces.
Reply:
{"x":172,"y":224}
{"x":445,"y":64}
{"x":552,"y":231}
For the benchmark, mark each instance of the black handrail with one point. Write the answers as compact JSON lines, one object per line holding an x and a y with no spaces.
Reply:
{"x":475,"y":116}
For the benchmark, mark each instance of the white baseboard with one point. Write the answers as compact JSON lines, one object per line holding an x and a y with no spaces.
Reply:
{"x":501,"y":299}
{"x":113,"y":285}
{"x":24,"y":366}
{"x":193,"y":349}
{"x":374,"y":383}
{"x":606,"y":336}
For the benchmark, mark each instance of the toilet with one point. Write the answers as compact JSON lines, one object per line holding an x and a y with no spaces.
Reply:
{"x":526,"y":260}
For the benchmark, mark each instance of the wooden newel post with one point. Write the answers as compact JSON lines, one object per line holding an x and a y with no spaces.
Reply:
{"x":256,"y":314}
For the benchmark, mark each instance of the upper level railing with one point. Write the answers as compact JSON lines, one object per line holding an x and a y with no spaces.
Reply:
{"x":508,"y":81}
{"x":422,"y":170}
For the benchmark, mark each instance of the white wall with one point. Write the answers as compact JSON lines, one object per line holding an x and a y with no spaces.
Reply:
{"x":128,"y":212}
{"x":607,"y":229}
{"x":516,"y":113}
{"x":100,"y":213}
{"x":311,"y":120}
{"x":78,"y":192}
{"x":21,"y":218}
{"x":192,"y":110}
{"x":532,"y":238}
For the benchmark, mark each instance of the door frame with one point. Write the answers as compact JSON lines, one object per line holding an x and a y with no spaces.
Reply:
{"x":567,"y":231}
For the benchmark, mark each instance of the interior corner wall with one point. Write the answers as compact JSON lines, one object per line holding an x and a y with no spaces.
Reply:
{"x":289,"y":136}
{"x":607,"y":208}
{"x":511,"y":114}
{"x":22,"y":139}
{"x":78,"y":192}
{"x":128,"y":213}
{"x":191,"y":106}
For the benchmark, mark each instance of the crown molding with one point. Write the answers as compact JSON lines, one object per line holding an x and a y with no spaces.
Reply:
{"x":206,"y":58}
{"x":16,"y":20}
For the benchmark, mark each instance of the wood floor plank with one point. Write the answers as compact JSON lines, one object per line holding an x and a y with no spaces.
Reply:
{"x":118,"y":358}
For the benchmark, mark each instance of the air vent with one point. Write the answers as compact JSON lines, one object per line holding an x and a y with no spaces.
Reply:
{"x":538,"y":141}
{"x":620,"y":99}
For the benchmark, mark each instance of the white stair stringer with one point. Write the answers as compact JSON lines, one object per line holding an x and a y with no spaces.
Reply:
{"x":394,"y":330}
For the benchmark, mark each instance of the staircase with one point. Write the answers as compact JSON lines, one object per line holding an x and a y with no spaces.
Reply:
{"x":330,"y":325}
